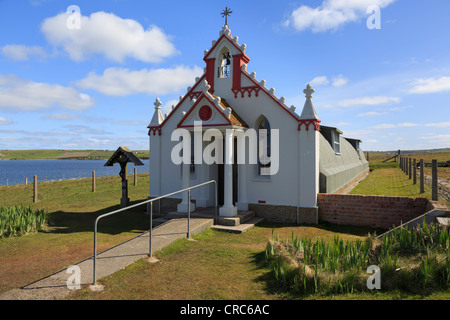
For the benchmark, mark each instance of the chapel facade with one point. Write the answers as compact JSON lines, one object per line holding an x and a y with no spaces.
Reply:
{"x":227,"y":105}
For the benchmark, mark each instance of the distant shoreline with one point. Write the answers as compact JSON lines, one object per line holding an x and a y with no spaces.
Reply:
{"x":141,"y":158}
{"x":64,"y":154}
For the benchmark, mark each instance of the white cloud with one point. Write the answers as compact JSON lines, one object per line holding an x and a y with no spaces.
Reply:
{"x":437,"y":140}
{"x":367,"y":101}
{"x":16,"y":93}
{"x":339,"y":81}
{"x":384,"y":126}
{"x":5,"y":121}
{"x":62,"y":116}
{"x":122,"y":82}
{"x":438,"y":124}
{"x":141,"y":123}
{"x":339,"y":124}
{"x":109,"y":35}
{"x":371,"y":114}
{"x":321,"y":80}
{"x":80,"y":129}
{"x":20,"y":52}
{"x":430,"y":85}
{"x":331,"y":14}
{"x":410,"y":124}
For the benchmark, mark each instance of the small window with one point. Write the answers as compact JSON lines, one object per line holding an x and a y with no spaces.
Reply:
{"x":225,"y":65}
{"x":192,"y":166}
{"x":264,"y":137}
{"x":336,"y":142}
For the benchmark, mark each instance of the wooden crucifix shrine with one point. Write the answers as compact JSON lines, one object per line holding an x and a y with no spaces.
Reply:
{"x":123,"y":155}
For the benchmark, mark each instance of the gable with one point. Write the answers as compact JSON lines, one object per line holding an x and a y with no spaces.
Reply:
{"x":225,"y":40}
{"x":212,"y":113}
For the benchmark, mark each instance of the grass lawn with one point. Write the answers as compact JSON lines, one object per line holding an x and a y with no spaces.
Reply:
{"x":72,"y":209}
{"x":389,"y":181}
{"x":217,"y":265}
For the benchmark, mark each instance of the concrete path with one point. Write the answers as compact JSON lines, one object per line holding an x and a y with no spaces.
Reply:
{"x":109,"y":261}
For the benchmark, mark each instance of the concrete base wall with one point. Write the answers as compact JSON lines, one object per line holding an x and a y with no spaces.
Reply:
{"x":167,"y":205}
{"x":286,"y":214}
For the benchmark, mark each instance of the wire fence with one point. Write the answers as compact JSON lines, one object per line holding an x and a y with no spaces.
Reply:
{"x":428,"y":183}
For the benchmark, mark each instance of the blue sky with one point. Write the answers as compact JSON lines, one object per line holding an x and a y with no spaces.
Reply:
{"x":94,"y":87}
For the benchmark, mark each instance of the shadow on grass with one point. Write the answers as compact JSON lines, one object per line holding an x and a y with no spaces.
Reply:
{"x":361,"y":231}
{"x":133,"y":220}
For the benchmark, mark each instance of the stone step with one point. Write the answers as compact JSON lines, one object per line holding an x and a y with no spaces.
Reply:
{"x":242,"y":217}
{"x":241,"y":228}
{"x":444,"y":221}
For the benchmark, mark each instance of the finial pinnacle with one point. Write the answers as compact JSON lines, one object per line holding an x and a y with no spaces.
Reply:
{"x":308,"y":91}
{"x":157,"y":103}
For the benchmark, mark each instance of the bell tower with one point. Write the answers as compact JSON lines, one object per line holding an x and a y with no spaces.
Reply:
{"x":224,"y":62}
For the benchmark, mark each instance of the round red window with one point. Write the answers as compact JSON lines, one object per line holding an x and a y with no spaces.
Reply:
{"x":205,"y":113}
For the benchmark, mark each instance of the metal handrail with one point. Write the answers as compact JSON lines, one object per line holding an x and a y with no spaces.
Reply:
{"x":151,"y":216}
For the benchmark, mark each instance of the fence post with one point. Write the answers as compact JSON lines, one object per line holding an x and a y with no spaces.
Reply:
{"x":434,"y":182}
{"x":414,"y":171}
{"x":35,"y":190}
{"x":26,"y":181}
{"x":409,"y":169}
{"x":189,"y":215}
{"x":135,"y":177}
{"x":93,"y":181}
{"x":422,"y":186}
{"x":406,"y":165}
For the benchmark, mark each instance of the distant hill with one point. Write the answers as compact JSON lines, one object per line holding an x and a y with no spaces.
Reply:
{"x":64,"y":154}
{"x":427,"y":155}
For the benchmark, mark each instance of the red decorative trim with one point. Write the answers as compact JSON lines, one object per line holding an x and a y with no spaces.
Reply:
{"x":207,"y":125}
{"x":249,"y":90}
{"x":231,"y":41}
{"x":195,"y":94}
{"x":307,"y":122}
{"x":154,"y":130}
{"x":210,"y":67}
{"x":238,"y":61}
{"x":180,"y":124}
{"x":265,"y":90}
{"x":182,"y":100}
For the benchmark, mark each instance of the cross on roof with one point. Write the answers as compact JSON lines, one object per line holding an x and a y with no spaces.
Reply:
{"x":225,"y":13}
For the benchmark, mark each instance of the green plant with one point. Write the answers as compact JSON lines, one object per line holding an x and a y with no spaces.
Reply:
{"x":18,"y":220}
{"x":340,"y":266}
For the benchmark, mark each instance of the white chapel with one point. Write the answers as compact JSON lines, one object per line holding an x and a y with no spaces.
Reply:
{"x":304,"y":157}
